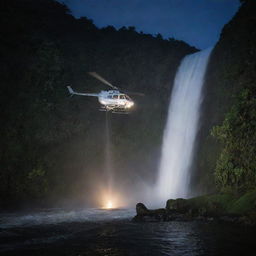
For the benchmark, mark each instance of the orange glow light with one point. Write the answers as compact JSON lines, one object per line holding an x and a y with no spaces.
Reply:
{"x":109,"y":205}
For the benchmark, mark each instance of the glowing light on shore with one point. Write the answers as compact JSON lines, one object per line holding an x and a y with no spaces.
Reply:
{"x":110,"y":199}
{"x":110,"y":202}
{"x":109,"y":205}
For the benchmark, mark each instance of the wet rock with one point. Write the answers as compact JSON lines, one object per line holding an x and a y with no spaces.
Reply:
{"x":195,"y":207}
{"x":217,"y":207}
{"x":229,"y":218}
{"x":179,"y":205}
{"x":145,"y":214}
{"x":248,"y":220}
{"x":141,"y":209}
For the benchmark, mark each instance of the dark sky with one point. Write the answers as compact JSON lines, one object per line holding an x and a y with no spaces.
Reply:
{"x":197,"y":22}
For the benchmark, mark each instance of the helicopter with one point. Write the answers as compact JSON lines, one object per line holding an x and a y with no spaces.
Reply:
{"x":113,"y":101}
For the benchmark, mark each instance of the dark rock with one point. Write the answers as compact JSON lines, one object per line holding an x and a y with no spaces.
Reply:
{"x":227,"y":218}
{"x":248,"y":220}
{"x":216,"y":207}
{"x":145,"y":214}
{"x":180,"y":205}
{"x":141,"y":209}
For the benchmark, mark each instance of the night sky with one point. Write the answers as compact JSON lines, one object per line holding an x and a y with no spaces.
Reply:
{"x":197,"y":22}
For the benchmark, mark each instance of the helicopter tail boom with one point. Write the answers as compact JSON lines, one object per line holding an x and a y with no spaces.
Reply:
{"x":72,"y":92}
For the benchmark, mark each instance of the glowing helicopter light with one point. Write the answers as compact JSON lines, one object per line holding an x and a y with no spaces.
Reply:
{"x":130,"y":104}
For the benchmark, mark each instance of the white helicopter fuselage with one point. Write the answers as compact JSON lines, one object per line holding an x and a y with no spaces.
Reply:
{"x":112,"y":99}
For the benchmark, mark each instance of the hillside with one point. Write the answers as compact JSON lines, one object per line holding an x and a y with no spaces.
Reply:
{"x":227,"y":147}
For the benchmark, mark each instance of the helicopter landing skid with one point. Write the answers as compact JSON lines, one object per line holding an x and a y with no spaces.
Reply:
{"x":103,"y":110}
{"x":115,"y":111}
{"x":120,"y":112}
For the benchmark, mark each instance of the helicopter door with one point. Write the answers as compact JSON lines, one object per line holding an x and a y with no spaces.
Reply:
{"x":123,"y":100}
{"x":113,"y":99}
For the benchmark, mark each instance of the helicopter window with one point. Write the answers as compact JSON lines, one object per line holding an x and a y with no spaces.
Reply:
{"x":109,"y":97}
{"x":127,"y":97}
{"x":115,"y":96}
{"x":122,"y":97}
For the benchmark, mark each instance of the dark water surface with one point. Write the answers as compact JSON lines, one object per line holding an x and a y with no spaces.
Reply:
{"x":104,"y":232}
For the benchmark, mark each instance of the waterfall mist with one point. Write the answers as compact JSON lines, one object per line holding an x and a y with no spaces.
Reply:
{"x":181,"y":128}
{"x":108,"y":155}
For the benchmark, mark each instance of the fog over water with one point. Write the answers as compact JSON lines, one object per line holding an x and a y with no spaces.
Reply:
{"x":60,"y":215}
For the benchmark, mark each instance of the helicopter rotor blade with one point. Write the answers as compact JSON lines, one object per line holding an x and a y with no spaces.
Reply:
{"x":134,"y":93}
{"x":95,"y":75}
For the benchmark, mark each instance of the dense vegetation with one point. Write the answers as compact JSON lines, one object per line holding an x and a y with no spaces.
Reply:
{"x":230,"y":108}
{"x":52,"y":146}
{"x":236,"y":166}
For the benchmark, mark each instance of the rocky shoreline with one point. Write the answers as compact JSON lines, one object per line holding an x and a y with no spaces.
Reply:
{"x":205,"y":208}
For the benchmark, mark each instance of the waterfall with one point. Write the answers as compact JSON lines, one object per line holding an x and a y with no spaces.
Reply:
{"x":181,"y":128}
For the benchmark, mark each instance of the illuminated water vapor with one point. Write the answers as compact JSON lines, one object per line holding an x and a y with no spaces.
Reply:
{"x":108,"y":157}
{"x":181,"y":127}
{"x":108,"y":193}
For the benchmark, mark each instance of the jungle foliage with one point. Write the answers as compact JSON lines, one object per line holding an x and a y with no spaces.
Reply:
{"x":236,"y":166}
{"x":230,"y":107}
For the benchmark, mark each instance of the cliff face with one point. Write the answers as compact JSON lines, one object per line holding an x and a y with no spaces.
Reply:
{"x":53,"y":145}
{"x":226,"y":152}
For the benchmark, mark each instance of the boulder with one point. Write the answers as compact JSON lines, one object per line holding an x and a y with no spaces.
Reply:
{"x":141,"y":209}
{"x":179,"y":205}
{"x":145,"y":214}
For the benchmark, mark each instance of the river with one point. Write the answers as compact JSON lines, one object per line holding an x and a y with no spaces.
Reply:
{"x":111,"y":232}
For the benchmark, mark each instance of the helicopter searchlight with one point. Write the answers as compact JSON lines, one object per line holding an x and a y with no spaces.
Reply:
{"x":113,"y":101}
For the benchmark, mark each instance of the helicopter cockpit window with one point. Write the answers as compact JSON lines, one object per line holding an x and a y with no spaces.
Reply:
{"x":122,"y":97}
{"x":115,"y":96}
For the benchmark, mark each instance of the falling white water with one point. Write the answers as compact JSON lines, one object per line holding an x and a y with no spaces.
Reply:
{"x":181,"y":128}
